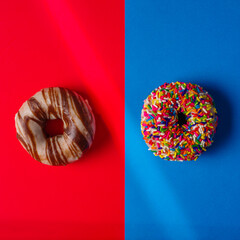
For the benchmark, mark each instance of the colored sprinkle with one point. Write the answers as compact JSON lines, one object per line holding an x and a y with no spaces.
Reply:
{"x":163,"y":132}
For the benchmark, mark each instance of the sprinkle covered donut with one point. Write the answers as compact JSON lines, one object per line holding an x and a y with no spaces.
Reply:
{"x":178,"y":121}
{"x":78,"y":126}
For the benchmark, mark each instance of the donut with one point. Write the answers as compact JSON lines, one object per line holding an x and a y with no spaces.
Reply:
{"x":78,"y":126}
{"x":178,"y":121}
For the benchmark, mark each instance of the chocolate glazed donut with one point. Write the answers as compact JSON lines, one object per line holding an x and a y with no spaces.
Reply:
{"x":55,"y":103}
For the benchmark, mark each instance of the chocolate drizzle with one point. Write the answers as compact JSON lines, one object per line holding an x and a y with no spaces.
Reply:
{"x":52,"y":103}
{"x":36,"y":109}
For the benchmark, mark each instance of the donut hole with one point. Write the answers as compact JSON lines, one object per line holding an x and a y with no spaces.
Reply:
{"x":182,"y":119}
{"x":53,"y":127}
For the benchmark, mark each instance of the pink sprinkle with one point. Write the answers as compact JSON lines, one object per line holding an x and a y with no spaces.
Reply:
{"x":154,"y":108}
{"x":168,"y":134}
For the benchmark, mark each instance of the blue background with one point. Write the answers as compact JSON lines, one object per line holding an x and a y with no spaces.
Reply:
{"x":191,"y":41}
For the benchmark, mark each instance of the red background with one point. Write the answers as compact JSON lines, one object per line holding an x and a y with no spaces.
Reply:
{"x":78,"y":45}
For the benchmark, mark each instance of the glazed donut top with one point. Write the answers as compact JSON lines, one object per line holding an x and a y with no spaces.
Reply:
{"x":178,"y":121}
{"x":55,"y":103}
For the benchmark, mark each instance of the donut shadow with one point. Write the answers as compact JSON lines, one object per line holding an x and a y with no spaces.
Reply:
{"x":100,"y":141}
{"x":225,"y":116}
{"x":102,"y":136}
{"x":224,"y":110}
